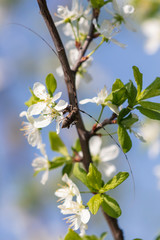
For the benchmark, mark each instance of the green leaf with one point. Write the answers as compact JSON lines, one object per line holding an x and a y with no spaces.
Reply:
{"x":33,"y":99}
{"x":131,"y":93}
{"x":110,"y":206}
{"x":94,"y":178}
{"x":117,"y":97}
{"x":149,"y":113}
{"x":57,"y":162}
{"x":77,"y":145}
{"x":98,"y":3}
{"x":118,"y":84}
{"x":138,"y":76}
{"x":67,"y":169}
{"x":103,"y":235}
{"x":51,"y":84}
{"x":114,"y":182}
{"x":56,"y":144}
{"x":93,"y":237}
{"x":80,"y":173}
{"x":95,"y":203}
{"x":124,"y":112}
{"x":124,"y":139}
{"x":150,"y":105}
{"x":71,"y":235}
{"x":152,"y":90}
{"x":129,"y":121}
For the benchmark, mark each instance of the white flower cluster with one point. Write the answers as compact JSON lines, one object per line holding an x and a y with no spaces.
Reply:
{"x":76,"y":26}
{"x":79,"y":215}
{"x":47,"y":110}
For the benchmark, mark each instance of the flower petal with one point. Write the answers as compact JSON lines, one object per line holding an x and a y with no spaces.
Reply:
{"x":56,"y":96}
{"x":36,"y":109}
{"x":95,"y":145}
{"x":85,"y":216}
{"x":45,"y":177}
{"x":39,"y":91}
{"x":61,"y":105}
{"x":109,"y":153}
{"x":42,"y":121}
{"x":87,"y":100}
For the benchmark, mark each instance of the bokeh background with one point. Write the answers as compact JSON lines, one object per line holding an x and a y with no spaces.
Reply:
{"x":28,"y":210}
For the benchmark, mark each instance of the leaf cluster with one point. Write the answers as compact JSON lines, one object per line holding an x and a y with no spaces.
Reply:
{"x":93,"y":180}
{"x":136,"y":99}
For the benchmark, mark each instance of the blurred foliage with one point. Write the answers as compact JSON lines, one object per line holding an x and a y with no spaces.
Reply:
{"x":9,"y":3}
{"x":147,"y":9}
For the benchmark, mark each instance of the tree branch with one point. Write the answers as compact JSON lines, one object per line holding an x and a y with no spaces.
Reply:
{"x":69,"y":76}
{"x":90,"y":36}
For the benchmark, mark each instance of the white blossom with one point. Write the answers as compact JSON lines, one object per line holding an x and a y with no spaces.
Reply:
{"x":79,"y":215}
{"x":41,"y":163}
{"x":103,"y":155}
{"x":151,"y":29}
{"x":100,"y":100}
{"x":47,"y":109}
{"x":32,"y":133}
{"x":108,"y":30}
{"x":82,"y":73}
{"x":151,"y":133}
{"x":134,"y":128}
{"x":66,"y":193}
{"x":69,"y":15}
{"x":122,"y":12}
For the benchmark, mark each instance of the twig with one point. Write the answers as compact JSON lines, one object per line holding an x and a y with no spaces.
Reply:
{"x":69,"y":76}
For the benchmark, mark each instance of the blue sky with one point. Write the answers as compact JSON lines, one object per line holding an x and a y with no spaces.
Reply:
{"x":28,"y":209}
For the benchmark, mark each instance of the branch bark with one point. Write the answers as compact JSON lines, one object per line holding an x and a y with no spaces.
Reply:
{"x":69,"y":76}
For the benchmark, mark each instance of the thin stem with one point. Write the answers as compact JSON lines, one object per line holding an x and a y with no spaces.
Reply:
{"x":76,"y":38}
{"x":100,"y":115}
{"x":96,"y":47}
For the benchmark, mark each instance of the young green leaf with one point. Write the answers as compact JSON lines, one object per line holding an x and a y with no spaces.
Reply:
{"x":150,"y":105}
{"x":67,"y":169}
{"x":98,"y":3}
{"x":57,"y":162}
{"x":129,"y":121}
{"x":56,"y":144}
{"x":71,"y":235}
{"x":114,"y":182}
{"x":33,"y":99}
{"x":80,"y":173}
{"x":94,"y":178}
{"x":131,"y":93}
{"x":124,"y":139}
{"x":95,"y":203}
{"x":124,"y":112}
{"x":117,"y":97}
{"x":51,"y":84}
{"x":149,"y":113}
{"x":110,"y":206}
{"x":118,"y":84}
{"x":138,"y":76}
{"x":152,"y":90}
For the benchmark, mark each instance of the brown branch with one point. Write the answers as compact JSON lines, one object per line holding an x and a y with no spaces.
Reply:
{"x":99,"y":126}
{"x":114,"y":227}
{"x":90,"y":36}
{"x":69,"y":76}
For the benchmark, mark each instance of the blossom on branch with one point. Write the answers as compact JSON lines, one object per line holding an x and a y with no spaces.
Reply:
{"x":79,"y":215}
{"x":32,"y":133}
{"x":69,"y":15}
{"x":41,"y":163}
{"x":46,"y":108}
{"x":108,"y":30}
{"x":102,"y":156}
{"x":100,"y":100}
